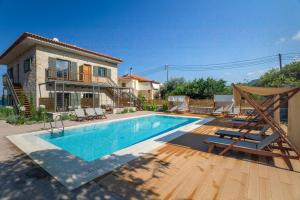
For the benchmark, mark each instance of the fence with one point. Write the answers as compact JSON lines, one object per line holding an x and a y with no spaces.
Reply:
{"x":48,"y":103}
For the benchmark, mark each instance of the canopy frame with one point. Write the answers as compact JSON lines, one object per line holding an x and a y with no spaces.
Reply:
{"x":259,"y":111}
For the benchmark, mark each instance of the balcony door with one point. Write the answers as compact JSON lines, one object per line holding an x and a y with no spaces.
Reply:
{"x":86,"y":73}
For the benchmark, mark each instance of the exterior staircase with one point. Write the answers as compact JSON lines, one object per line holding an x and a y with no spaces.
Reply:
{"x":18,"y":95}
{"x":22,"y":98}
{"x":123,"y":96}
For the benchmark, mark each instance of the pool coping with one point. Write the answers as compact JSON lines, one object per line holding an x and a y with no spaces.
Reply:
{"x":72,"y":172}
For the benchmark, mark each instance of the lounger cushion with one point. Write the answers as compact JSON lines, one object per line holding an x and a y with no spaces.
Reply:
{"x":224,"y":141}
{"x":257,"y":137}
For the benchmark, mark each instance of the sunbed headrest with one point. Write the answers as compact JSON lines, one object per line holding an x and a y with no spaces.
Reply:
{"x":268,"y":140}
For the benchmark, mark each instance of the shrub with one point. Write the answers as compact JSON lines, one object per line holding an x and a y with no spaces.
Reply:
{"x":149,"y":106}
{"x":16,"y":119}
{"x":125,"y":110}
{"x":6,"y":111}
{"x":131,"y":110}
{"x":165,"y":107}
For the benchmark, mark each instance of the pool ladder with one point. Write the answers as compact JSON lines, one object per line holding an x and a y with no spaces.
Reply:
{"x":60,"y":118}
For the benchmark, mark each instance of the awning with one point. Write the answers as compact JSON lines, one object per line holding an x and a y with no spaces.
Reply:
{"x":177,"y":98}
{"x":262,"y":91}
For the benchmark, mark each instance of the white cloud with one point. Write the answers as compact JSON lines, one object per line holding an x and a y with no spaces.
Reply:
{"x":281,"y":40}
{"x":296,"y":36}
{"x":256,"y":73}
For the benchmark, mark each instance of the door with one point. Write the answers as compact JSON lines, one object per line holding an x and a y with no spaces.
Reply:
{"x":87,"y":71}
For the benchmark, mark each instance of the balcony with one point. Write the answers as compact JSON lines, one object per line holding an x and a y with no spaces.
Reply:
{"x":84,"y":76}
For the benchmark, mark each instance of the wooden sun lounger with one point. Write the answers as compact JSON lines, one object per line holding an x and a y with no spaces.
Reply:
{"x":100,"y":112}
{"x":251,"y":136}
{"x":257,"y":148}
{"x":80,"y":116}
{"x":90,"y":112}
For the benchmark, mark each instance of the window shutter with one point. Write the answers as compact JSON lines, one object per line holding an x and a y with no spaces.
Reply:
{"x":95,"y":71}
{"x":52,"y":67}
{"x":73,"y":71}
{"x":108,"y":73}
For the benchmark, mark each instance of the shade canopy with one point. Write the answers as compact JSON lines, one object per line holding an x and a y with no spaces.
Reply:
{"x":178,"y":98}
{"x":262,"y":91}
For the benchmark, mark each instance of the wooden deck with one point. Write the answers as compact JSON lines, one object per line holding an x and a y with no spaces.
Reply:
{"x":182,"y":169}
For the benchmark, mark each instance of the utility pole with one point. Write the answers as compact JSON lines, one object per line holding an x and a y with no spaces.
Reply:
{"x":280,"y":61}
{"x":130,"y":71}
{"x":167,"y":69}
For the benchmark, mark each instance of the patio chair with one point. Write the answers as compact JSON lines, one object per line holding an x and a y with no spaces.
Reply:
{"x":251,"y":136}
{"x":257,"y":148}
{"x":91,"y":114}
{"x":99,"y":112}
{"x":80,"y":116}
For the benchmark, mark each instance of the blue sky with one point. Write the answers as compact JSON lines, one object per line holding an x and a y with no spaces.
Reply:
{"x":149,"y":34}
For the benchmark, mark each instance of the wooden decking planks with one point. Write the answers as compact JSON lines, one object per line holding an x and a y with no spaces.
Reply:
{"x":182,"y":169}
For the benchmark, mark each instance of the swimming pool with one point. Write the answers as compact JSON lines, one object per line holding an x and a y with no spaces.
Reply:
{"x":95,"y":141}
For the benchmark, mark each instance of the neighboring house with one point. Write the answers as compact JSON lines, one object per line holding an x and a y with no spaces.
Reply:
{"x":141,"y":86}
{"x":58,"y":75}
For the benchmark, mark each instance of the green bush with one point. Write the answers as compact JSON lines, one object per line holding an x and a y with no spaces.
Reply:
{"x":125,"y":110}
{"x":131,"y":110}
{"x":5,"y":112}
{"x":39,"y":115}
{"x":165,"y":107}
{"x":16,"y":119}
{"x":149,"y":106}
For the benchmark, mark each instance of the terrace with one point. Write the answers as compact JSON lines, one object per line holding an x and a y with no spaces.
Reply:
{"x":180,"y":169}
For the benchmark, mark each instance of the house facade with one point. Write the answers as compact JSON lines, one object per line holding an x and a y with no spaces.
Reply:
{"x":61,"y":76}
{"x":140,"y":86}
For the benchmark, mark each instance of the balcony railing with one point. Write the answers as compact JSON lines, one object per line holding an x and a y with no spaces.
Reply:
{"x":53,"y":74}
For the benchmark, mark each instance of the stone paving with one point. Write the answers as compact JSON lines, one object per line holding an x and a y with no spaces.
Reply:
{"x":21,"y":178}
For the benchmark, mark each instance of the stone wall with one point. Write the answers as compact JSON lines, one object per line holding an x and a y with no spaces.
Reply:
{"x":28,"y":79}
{"x":43,"y":53}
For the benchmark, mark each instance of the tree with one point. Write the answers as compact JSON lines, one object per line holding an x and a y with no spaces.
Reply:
{"x":197,"y":88}
{"x":289,"y":76}
{"x":170,"y":86}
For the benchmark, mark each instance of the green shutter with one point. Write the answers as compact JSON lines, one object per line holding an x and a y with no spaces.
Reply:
{"x":95,"y":71}
{"x":108,"y":73}
{"x":51,"y":62}
{"x":52,"y":67}
{"x":73,"y":71}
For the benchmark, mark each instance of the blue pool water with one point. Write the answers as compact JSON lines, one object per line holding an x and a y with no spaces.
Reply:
{"x":94,"y":141}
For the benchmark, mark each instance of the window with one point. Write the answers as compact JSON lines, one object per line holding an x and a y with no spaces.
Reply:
{"x":27,"y":64}
{"x":123,"y":84}
{"x":102,"y":71}
{"x":62,"y":68}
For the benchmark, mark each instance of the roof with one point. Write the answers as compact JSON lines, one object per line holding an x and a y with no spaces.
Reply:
{"x":136,"y":77}
{"x":27,"y":35}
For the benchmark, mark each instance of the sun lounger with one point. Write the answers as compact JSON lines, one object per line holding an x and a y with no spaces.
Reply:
{"x":91,"y":114}
{"x":80,"y":116}
{"x":100,"y":112}
{"x":235,"y":111}
{"x":244,"y":146}
{"x":251,"y":136}
{"x":173,"y":109}
{"x":238,"y":119}
{"x":218,"y":111}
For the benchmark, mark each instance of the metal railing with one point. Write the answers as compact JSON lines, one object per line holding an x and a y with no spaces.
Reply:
{"x":9,"y":85}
